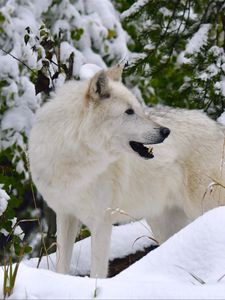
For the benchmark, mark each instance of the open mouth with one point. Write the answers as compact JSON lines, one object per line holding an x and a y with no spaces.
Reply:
{"x":144,"y":150}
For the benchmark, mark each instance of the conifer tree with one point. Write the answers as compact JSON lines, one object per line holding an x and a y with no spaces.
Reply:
{"x":179,"y":45}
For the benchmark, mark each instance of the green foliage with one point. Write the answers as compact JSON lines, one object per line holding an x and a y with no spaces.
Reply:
{"x":160,"y":33}
{"x":76,"y":33}
{"x":2,"y":18}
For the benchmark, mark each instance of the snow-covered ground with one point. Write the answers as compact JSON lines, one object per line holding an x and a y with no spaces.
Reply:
{"x":190,"y":265}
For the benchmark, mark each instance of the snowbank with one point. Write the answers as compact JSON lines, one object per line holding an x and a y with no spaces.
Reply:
{"x":190,"y":265}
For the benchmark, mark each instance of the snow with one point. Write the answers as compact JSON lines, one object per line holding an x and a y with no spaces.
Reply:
{"x":216,"y":51}
{"x":213,"y":70}
{"x":20,"y":118}
{"x":8,"y":65}
{"x":190,"y":265}
{"x":134,"y":8}
{"x":17,"y":230}
{"x":166,"y":12}
{"x":222,"y":83}
{"x":194,"y":45}
{"x":88,"y":70}
{"x":220,"y":86}
{"x":4,"y":198}
{"x":221,"y":119}
{"x":199,"y":39}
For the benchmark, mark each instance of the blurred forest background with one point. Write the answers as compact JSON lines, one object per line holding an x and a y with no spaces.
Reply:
{"x":175,"y":53}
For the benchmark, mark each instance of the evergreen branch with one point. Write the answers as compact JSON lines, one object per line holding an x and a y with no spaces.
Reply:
{"x":176,"y":38}
{"x":205,"y":15}
{"x":186,"y":8}
{"x":163,"y":36}
{"x":170,"y":21}
{"x":189,"y":12}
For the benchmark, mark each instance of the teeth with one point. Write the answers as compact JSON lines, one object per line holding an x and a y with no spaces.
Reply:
{"x":149,"y":147}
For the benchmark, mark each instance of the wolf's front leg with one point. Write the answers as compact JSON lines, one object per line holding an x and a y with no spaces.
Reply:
{"x":100,"y":249}
{"x":67,"y":229}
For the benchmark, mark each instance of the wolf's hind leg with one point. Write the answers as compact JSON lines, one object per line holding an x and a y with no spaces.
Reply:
{"x":168,"y":223}
{"x":67,"y":229}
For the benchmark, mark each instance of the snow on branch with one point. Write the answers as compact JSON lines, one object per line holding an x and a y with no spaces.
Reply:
{"x":134,"y":8}
{"x":199,"y":39}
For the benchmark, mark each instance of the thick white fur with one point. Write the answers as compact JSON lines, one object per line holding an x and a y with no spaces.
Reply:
{"x":82,"y":164}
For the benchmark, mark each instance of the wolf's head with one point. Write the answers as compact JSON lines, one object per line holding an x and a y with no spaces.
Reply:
{"x":114,"y":119}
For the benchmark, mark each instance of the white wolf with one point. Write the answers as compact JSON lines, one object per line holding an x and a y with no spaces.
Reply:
{"x":90,"y":151}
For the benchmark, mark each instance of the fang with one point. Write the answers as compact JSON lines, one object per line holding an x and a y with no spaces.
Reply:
{"x":150,"y":149}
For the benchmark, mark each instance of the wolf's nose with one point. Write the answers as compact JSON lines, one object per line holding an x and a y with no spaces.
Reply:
{"x":164,"y":131}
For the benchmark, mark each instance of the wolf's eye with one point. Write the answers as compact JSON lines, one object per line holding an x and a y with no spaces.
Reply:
{"x":129,"y":111}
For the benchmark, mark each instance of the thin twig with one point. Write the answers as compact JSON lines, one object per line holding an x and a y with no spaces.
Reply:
{"x":122,"y":212}
{"x":16,"y":58}
{"x":145,"y":236}
{"x":218,"y":280}
{"x":217,"y":182}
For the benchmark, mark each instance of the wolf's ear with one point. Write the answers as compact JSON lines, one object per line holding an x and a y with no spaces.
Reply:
{"x":115,"y":73}
{"x":99,"y":86}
